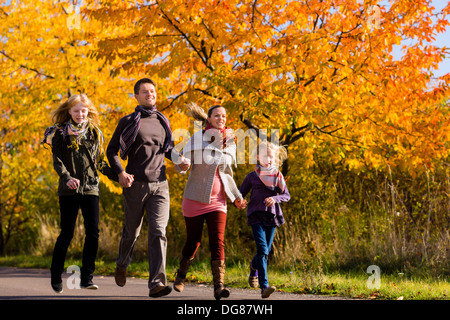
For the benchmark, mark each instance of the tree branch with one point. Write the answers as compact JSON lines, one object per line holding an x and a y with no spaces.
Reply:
{"x":185,"y":36}
{"x":25,"y":67}
{"x":173,"y":100}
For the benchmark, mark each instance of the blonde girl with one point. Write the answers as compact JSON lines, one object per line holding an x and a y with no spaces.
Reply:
{"x":77,"y":148}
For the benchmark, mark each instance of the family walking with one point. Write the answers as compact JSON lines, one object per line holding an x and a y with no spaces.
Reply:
{"x":144,"y":139}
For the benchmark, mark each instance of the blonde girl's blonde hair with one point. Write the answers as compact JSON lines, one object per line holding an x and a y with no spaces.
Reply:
{"x":61,"y":114}
{"x":281,"y":151}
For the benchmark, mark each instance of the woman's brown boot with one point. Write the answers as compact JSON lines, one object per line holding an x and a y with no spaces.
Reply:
{"x":178,"y":284}
{"x":218,"y":271}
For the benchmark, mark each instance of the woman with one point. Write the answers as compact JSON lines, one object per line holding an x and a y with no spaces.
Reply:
{"x":212,"y":152}
{"x":77,"y":147}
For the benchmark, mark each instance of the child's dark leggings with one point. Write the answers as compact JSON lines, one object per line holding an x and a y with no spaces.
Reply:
{"x":69,"y":206}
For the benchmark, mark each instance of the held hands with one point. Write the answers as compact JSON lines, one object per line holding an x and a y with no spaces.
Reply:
{"x":125,"y":179}
{"x":240,"y":203}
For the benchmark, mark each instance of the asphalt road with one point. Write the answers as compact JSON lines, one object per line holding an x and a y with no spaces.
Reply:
{"x":27,"y":292}
{"x":34,"y":284}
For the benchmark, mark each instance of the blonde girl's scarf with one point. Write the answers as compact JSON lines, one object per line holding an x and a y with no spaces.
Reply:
{"x":271,"y":177}
{"x":75,"y":133}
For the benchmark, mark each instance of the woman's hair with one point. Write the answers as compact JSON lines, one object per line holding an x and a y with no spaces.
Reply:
{"x":280,"y":151}
{"x":197,"y":112}
{"x":61,"y":114}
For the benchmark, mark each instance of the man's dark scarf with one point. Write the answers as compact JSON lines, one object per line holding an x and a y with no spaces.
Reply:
{"x":130,"y":132}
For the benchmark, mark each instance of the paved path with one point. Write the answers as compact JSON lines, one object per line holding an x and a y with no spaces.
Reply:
{"x":34,"y":284}
{"x":27,"y":292}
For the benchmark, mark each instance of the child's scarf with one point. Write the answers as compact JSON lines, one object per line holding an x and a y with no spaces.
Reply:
{"x":75,"y":133}
{"x":271,"y":177}
{"x":130,"y":132}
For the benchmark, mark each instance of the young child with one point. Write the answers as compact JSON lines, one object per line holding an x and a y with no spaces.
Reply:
{"x":77,"y":147}
{"x":263,"y":212}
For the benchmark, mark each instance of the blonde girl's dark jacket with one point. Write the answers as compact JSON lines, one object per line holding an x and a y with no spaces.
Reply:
{"x":79,"y":163}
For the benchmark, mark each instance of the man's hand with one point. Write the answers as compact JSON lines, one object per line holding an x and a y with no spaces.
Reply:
{"x":125,"y":179}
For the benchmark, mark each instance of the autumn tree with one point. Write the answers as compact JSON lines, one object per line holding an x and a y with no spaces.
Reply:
{"x":323,"y":72}
{"x":43,"y":60}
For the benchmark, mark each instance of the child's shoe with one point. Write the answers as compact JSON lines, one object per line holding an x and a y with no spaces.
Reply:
{"x":253,"y":277}
{"x":57,"y":286}
{"x":266,"y":292}
{"x":88,"y":284}
{"x":56,"y":283}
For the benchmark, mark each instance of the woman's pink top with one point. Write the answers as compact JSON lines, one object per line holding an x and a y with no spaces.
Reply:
{"x":192,"y":208}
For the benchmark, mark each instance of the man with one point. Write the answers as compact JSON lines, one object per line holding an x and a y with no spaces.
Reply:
{"x":145,"y":138}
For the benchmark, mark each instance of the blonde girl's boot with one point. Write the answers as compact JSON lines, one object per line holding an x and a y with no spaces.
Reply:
{"x":218,"y":271}
{"x":178,"y":284}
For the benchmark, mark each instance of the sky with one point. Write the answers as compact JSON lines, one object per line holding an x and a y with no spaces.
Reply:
{"x":442,"y":39}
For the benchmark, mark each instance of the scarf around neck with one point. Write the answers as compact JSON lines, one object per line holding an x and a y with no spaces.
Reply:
{"x":271,"y":177}
{"x":130,"y":132}
{"x":75,"y":133}
{"x":227,"y":134}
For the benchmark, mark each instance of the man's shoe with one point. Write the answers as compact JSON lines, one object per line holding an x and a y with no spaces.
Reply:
{"x":57,"y":286}
{"x":120,"y":276}
{"x":160,"y":291}
{"x":88,"y":285}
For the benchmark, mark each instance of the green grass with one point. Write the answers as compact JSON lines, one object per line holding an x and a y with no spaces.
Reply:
{"x":294,"y":279}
